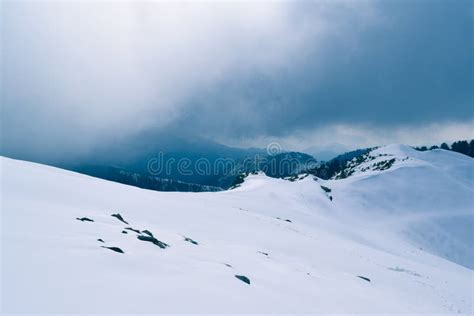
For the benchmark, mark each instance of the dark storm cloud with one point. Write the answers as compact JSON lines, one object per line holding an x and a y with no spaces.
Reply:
{"x":79,"y":75}
{"x":411,"y":66}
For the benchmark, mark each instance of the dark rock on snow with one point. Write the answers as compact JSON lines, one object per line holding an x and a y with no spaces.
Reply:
{"x":135,"y":230}
{"x":149,"y":233}
{"x":191,"y":241}
{"x":243,"y":278}
{"x":153,"y":240}
{"x":120,"y":218}
{"x":116,"y":249}
{"x":326,"y":189}
{"x":364,"y":278}
{"x":84,"y":219}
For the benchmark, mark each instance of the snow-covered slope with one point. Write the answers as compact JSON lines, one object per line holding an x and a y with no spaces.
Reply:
{"x":427,"y":196}
{"x":305,"y":246}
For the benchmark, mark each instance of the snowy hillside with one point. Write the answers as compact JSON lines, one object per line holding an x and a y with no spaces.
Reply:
{"x":394,"y":235}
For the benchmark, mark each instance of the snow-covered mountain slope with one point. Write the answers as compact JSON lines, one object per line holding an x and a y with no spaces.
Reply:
{"x":427,"y":196}
{"x":305,"y":246}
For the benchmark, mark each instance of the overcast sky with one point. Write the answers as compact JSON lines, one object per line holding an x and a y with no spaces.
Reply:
{"x":77,"y":75}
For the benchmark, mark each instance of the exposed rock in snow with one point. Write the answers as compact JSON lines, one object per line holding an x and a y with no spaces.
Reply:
{"x":120,"y":218}
{"x":243,"y":278}
{"x":116,"y":249}
{"x":153,"y":240}
{"x":84,"y":219}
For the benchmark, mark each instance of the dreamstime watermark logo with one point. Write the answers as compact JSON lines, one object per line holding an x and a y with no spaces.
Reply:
{"x":274,"y":149}
{"x":167,"y":165}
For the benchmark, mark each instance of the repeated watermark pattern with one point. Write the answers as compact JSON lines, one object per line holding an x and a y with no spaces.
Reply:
{"x":275,"y":162}
{"x":273,"y":149}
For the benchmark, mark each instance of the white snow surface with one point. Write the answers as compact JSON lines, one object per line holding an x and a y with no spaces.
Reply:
{"x":409,"y":229}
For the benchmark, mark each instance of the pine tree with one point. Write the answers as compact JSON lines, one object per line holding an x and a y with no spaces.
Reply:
{"x":471,"y":148}
{"x":444,"y":146}
{"x":461,"y":146}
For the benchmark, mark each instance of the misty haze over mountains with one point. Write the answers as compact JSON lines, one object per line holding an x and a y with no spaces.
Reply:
{"x":179,"y":164}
